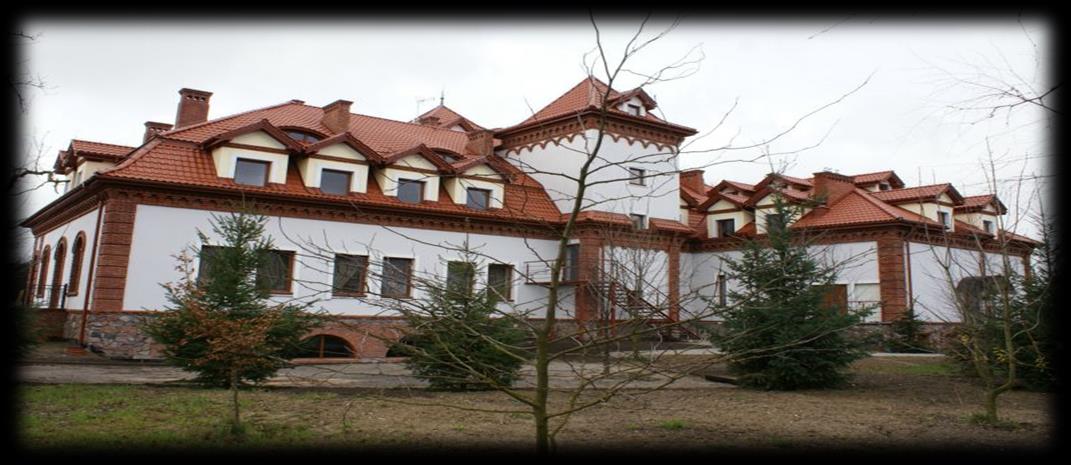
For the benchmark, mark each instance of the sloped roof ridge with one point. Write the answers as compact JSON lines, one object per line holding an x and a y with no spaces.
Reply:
{"x":226,"y":118}
{"x":103,"y":143}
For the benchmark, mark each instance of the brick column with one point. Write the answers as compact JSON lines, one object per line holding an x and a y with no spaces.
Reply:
{"x":674,"y":253}
{"x":116,"y":233}
{"x":892,"y":276}
{"x":588,"y":268}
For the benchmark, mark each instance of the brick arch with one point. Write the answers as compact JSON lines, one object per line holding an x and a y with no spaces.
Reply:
{"x":322,"y":334}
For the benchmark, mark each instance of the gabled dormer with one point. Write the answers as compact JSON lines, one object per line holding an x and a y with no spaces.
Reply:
{"x":935,"y":202}
{"x":255,"y":155}
{"x":83,"y":159}
{"x":412,"y":175}
{"x":477,"y":184}
{"x":981,"y":211}
{"x":878,"y":182}
{"x":337,"y":165}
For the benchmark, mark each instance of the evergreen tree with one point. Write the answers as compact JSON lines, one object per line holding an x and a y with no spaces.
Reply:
{"x":907,"y":335}
{"x":221,"y":324}
{"x":455,"y":343}
{"x":779,"y":332}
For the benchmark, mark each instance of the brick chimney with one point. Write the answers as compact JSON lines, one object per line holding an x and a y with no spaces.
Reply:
{"x":192,"y":107}
{"x":480,"y":143}
{"x":693,"y":179}
{"x":152,"y":128}
{"x":337,"y":116}
{"x":832,"y":186}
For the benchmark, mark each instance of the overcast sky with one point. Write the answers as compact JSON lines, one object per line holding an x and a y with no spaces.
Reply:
{"x":106,"y":79}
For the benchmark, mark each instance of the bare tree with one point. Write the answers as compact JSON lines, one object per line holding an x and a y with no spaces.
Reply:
{"x":626,"y":285}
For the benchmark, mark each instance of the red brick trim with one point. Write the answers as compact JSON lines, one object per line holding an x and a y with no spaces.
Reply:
{"x":116,"y":234}
{"x":892,"y":277}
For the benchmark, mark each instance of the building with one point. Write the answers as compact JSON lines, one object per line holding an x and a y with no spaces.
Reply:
{"x":359,"y":205}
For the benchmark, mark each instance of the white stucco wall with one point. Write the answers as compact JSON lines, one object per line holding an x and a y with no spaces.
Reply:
{"x":660,"y":198}
{"x":741,"y":217}
{"x":388,"y":177}
{"x":86,"y":223}
{"x":930,"y":209}
{"x":936,"y":270}
{"x":85,"y":170}
{"x":456,"y":187}
{"x":856,"y":261}
{"x":161,"y":232}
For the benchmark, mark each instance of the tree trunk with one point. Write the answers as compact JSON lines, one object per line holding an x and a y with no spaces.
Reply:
{"x":236,"y":425}
{"x":991,"y":405}
{"x":539,"y":409}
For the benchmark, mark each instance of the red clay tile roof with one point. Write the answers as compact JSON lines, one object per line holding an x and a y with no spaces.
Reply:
{"x":856,"y":208}
{"x":382,"y":135}
{"x":867,"y":178}
{"x":181,"y":164}
{"x":670,"y":225}
{"x":445,"y":118}
{"x":692,"y":197}
{"x":89,"y":149}
{"x":749,"y":188}
{"x":916,"y":194}
{"x":977,"y":202}
{"x":588,"y":95}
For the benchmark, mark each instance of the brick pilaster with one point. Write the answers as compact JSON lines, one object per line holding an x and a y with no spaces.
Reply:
{"x":116,"y":233}
{"x":674,"y":253}
{"x":892,"y":276}
{"x":587,"y":304}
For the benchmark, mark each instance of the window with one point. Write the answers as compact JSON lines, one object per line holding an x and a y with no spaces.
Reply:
{"x":988,"y":225}
{"x":460,"y":278}
{"x":500,"y":281}
{"x":775,"y":222}
{"x":571,"y":268}
{"x":884,"y":186}
{"x":302,"y":136}
{"x":727,"y":227}
{"x":276,"y":271}
{"x":723,"y":295}
{"x":410,"y":191}
{"x":325,"y":346}
{"x":77,"y":252}
{"x":42,"y":277}
{"x":835,"y":297}
{"x":637,"y":176}
{"x":335,"y":182}
{"x":943,"y":218}
{"x":638,"y":221}
{"x":205,"y":269}
{"x":251,"y":172}
{"x":350,"y":272}
{"x":397,"y":274}
{"x":57,"y":274}
{"x":477,"y":199}
{"x":634,"y":109}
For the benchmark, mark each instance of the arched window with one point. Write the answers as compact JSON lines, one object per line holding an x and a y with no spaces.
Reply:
{"x":77,"y":252}
{"x":325,"y":346}
{"x":57,"y":273}
{"x":42,"y":276}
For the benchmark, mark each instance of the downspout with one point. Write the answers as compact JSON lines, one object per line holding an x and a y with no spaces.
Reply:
{"x":907,"y":264}
{"x":89,"y":279}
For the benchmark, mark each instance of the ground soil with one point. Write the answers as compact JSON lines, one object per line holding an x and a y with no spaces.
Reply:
{"x":891,"y":404}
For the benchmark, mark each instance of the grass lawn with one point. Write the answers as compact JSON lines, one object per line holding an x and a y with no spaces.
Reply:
{"x":892,"y":403}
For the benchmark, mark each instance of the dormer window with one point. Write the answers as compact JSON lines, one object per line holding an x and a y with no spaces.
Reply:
{"x":944,"y":219}
{"x":988,"y":226}
{"x":251,"y":172}
{"x":884,"y":186}
{"x":477,"y":199}
{"x":303,"y":136}
{"x":633,"y":110}
{"x":410,"y":191}
{"x":335,"y":182}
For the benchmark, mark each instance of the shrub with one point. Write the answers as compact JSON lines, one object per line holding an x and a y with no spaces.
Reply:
{"x":27,"y":331}
{"x":457,"y":345}
{"x":907,"y":335}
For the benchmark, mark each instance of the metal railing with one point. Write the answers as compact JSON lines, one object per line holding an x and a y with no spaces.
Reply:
{"x":540,"y":272}
{"x":51,"y":297}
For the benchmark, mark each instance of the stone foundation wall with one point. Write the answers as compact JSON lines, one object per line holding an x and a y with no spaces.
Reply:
{"x":50,"y":323}
{"x":119,"y":335}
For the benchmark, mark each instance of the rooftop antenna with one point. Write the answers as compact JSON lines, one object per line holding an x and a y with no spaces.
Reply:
{"x":442,"y":96}
{"x":420,"y":101}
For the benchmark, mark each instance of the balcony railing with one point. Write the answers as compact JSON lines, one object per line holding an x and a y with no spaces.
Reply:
{"x":540,"y":272}
{"x":52,"y":297}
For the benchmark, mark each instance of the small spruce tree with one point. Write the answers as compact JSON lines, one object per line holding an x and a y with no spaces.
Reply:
{"x":779,"y":332}
{"x":221,"y":325}
{"x":907,"y":336}
{"x":455,"y":344}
